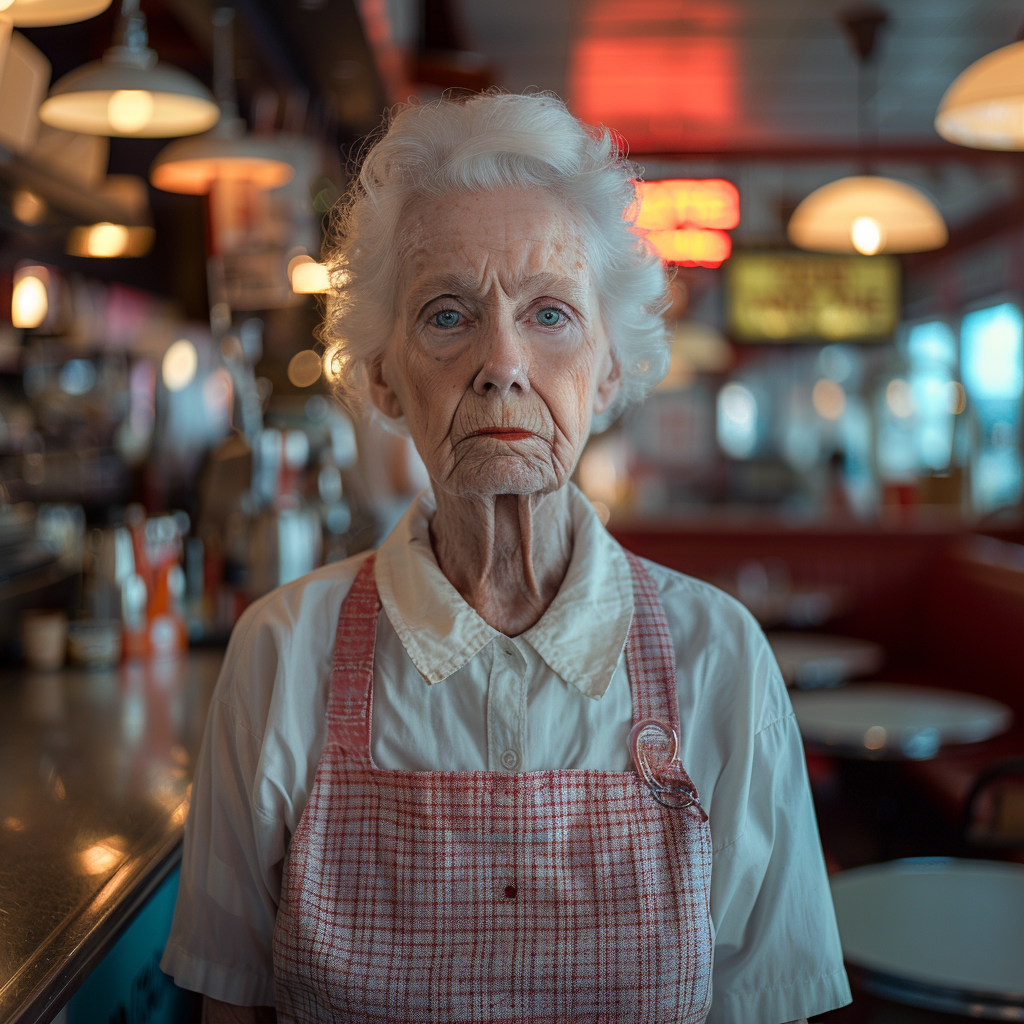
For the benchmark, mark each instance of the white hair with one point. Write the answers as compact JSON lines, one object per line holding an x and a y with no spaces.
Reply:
{"x":490,"y":142}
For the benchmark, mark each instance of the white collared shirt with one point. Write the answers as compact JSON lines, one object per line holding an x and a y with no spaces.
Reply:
{"x":453,"y":694}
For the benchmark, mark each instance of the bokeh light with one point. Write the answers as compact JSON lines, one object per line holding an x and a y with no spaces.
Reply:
{"x":180,"y":364}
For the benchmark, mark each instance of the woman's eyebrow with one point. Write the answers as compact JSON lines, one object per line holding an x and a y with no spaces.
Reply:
{"x":457,"y":286}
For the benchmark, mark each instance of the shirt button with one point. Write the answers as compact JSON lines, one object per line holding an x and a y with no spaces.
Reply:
{"x":510,"y":759}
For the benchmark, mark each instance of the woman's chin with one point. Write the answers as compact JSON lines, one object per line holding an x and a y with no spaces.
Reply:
{"x":503,"y":475}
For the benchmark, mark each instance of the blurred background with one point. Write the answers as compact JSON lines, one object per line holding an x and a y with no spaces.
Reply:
{"x":839,"y":193}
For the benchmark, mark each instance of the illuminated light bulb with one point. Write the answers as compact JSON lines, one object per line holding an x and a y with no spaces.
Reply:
{"x":899,"y":398}
{"x":180,"y":364}
{"x":829,"y":399}
{"x":29,"y":303}
{"x":105,"y":239}
{"x":310,"y":278}
{"x":130,"y":110}
{"x":304,"y":369}
{"x":867,"y":236}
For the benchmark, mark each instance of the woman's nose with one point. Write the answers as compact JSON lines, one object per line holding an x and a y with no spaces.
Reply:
{"x":504,"y":368}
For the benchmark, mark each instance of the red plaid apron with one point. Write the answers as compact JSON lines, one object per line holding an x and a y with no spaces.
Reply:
{"x":558,"y":895}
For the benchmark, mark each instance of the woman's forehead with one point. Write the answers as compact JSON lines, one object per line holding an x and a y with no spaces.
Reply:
{"x":519,"y":236}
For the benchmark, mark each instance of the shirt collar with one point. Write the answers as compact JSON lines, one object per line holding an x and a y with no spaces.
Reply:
{"x":581,"y":635}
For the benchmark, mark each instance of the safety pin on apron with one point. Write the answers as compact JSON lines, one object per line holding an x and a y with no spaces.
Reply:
{"x":668,"y":782}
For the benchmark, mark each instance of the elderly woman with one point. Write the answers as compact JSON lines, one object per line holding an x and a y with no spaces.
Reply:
{"x":451,"y":780}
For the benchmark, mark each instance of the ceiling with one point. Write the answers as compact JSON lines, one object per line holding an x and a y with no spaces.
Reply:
{"x":709,"y":75}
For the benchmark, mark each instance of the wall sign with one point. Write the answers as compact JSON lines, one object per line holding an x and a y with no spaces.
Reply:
{"x":809,"y":297}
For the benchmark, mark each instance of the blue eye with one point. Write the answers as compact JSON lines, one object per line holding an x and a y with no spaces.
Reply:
{"x":550,"y":317}
{"x":447,"y":319}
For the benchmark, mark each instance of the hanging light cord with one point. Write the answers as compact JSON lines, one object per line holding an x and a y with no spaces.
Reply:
{"x":131,"y":39}
{"x":224,"y":61}
{"x":862,"y":24}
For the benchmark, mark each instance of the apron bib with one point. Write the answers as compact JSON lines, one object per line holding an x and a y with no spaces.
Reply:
{"x":558,"y":895}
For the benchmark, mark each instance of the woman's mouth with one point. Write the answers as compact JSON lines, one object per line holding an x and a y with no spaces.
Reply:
{"x":505,"y":433}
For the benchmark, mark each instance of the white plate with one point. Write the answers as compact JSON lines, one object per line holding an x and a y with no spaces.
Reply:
{"x":809,"y":660}
{"x":953,"y":924}
{"x":887,"y":719}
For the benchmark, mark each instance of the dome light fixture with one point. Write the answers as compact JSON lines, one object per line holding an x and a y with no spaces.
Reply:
{"x":129,"y":93}
{"x":193,"y":166}
{"x":37,"y":13}
{"x":984,"y":107}
{"x":867,"y":214}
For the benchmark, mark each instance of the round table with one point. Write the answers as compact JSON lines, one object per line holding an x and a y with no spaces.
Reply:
{"x":811,"y":660}
{"x":941,"y":933}
{"x":888,"y":720}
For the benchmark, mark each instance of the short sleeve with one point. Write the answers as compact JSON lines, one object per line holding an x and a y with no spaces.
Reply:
{"x":777,"y":951}
{"x":220,"y":941}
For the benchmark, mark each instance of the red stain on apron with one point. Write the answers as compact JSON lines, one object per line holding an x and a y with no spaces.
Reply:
{"x":558,"y":895}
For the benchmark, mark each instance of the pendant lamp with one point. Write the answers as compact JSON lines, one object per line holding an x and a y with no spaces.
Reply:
{"x":866,"y":213}
{"x":193,"y":166}
{"x":36,"y":13}
{"x":130,"y":93}
{"x":130,"y":235}
{"x":984,"y":107}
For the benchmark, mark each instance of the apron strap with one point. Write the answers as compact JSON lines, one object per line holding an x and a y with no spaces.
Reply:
{"x":650,"y":656}
{"x":650,"y":661}
{"x":350,"y":701}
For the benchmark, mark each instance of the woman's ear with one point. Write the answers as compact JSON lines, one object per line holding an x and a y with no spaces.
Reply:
{"x":382,"y":394}
{"x":608,"y":383}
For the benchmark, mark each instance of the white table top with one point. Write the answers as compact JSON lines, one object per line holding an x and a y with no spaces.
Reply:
{"x":952,"y":924}
{"x":810,"y":660}
{"x":879,"y":720}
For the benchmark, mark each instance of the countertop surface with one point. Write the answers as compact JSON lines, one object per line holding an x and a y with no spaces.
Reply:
{"x":97,"y":770}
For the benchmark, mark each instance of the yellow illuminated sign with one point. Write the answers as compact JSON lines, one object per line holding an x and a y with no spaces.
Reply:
{"x":808,"y":297}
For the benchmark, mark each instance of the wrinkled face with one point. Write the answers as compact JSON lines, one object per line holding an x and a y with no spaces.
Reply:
{"x":499,"y":359}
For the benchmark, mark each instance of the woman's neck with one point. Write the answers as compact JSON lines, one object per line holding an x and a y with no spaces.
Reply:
{"x":506,"y":555}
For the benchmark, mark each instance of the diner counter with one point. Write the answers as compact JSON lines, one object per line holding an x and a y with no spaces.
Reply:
{"x":97,"y":770}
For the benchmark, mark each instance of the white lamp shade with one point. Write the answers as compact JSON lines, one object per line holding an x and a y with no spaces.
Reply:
{"x":905,"y":219}
{"x":191,"y":166}
{"x":81,"y":101}
{"x":31,"y":13}
{"x":984,"y":107}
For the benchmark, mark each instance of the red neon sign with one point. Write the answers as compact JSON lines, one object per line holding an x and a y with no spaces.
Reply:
{"x":691,"y":247}
{"x":685,"y":219}
{"x":682,"y":202}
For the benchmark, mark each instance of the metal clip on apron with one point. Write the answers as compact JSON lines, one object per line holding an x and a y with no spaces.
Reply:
{"x":655,"y":749}
{"x":558,"y":895}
